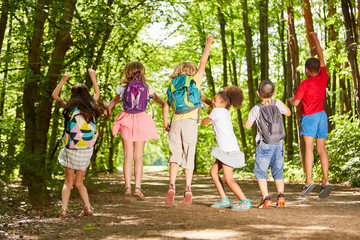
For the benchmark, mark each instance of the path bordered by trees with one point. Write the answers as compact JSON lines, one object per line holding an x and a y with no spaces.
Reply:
{"x":336,"y":217}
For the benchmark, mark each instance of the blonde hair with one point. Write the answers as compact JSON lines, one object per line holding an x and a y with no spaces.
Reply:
{"x":133,"y":68}
{"x":188,"y":68}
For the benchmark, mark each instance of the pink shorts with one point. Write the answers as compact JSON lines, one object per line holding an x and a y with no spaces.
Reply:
{"x":135,"y":127}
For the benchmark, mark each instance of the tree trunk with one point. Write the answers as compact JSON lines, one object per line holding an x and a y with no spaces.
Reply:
{"x":351,"y":43}
{"x":285,"y":57}
{"x":294,"y":53}
{"x":33,"y":163}
{"x":264,"y":40}
{"x":223,"y":44}
{"x":3,"y":20}
{"x":309,"y":25}
{"x":248,"y":43}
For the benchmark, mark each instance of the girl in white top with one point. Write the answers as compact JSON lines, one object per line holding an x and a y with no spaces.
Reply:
{"x":227,"y":153}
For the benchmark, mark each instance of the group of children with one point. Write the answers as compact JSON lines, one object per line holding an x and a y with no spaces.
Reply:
{"x":136,"y":127}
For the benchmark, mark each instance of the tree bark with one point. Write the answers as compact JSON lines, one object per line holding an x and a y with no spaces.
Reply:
{"x":223,"y":44}
{"x":309,"y":25}
{"x":33,"y":177}
{"x":285,"y":57}
{"x":264,"y":40}
{"x":294,"y":53}
{"x":3,"y":20}
{"x":351,"y":44}
{"x":248,"y":43}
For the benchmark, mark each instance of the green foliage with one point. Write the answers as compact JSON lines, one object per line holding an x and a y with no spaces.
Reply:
{"x":343,"y":149}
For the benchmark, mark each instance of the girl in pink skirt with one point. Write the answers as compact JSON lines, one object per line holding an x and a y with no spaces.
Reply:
{"x":134,"y":124}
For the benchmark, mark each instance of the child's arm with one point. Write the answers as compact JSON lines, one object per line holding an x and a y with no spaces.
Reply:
{"x":165,"y":113}
{"x":96,"y":87}
{"x":206,"y":121}
{"x":205,"y":55}
{"x":293,"y":102}
{"x":207,"y":101}
{"x":56,"y":92}
{"x":158,"y":100}
{"x":319,"y":51}
{"x":288,"y":111}
{"x":113,"y":102}
{"x":248,"y":124}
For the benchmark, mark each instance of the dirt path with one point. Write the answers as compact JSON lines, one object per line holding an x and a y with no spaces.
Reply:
{"x":337,"y":217}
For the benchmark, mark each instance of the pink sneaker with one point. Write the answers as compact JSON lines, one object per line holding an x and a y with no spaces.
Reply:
{"x":187,"y":197}
{"x":170,"y":196}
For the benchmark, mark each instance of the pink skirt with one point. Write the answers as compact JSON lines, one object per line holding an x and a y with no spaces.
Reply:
{"x":135,"y":127}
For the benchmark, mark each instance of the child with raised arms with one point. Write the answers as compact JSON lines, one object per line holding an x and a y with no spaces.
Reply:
{"x":227,"y":153}
{"x":78,"y":149}
{"x":134,"y":124}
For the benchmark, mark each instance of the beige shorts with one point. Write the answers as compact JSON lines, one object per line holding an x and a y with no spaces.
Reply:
{"x":182,"y":140}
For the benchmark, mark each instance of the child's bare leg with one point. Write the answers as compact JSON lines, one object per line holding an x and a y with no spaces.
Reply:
{"x":188,"y":177}
{"x":66,"y":190}
{"x":174,"y":168}
{"x":128,"y":158}
{"x":138,"y":163}
{"x":79,"y":184}
{"x":214,"y":173}
{"x":263,"y":187}
{"x":309,"y":159}
{"x":280,"y":185}
{"x":324,"y":160}
{"x":229,"y":180}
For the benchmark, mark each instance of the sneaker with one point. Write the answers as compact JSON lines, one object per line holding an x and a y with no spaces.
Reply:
{"x":170,"y":196}
{"x":187,"y":196}
{"x":280,"y":200}
{"x":265,"y":203}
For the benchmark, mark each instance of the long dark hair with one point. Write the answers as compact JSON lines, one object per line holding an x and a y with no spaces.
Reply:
{"x":81,"y":98}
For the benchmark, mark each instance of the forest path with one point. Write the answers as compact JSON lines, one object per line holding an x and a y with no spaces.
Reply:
{"x":336,"y":217}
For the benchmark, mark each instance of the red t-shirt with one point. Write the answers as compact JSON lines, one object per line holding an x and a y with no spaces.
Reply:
{"x":312,"y":93}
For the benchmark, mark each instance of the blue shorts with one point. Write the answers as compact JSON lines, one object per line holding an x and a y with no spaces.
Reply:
{"x":314,"y":125}
{"x":269,"y":155}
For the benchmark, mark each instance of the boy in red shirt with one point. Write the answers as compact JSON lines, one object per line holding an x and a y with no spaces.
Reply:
{"x":314,"y":123}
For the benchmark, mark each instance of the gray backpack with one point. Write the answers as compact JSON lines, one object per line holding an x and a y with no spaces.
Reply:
{"x":270,"y":123}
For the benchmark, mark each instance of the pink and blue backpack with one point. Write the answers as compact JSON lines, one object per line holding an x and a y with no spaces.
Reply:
{"x":135,"y":97}
{"x":79,"y":134}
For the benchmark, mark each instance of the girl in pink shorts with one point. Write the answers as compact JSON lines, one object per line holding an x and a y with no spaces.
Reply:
{"x":135,"y":127}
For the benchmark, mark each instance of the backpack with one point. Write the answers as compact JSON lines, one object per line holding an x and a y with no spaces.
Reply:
{"x":183,"y":94}
{"x":270,"y":123}
{"x":79,"y":134}
{"x":135,"y":97}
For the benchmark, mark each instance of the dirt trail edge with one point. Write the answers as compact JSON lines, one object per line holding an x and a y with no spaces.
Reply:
{"x":336,"y":217}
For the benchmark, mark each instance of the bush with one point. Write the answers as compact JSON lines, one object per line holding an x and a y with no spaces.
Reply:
{"x":343,"y":147}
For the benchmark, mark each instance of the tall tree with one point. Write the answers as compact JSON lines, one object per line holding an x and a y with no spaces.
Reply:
{"x":264,"y":39}
{"x":309,"y":25}
{"x":248,"y":43}
{"x":351,"y":43}
{"x":294,"y":53}
{"x":38,"y":104}
{"x":3,"y":20}
{"x":222,"y":23}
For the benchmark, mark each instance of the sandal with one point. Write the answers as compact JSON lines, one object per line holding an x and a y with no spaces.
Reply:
{"x":64,"y":213}
{"x":139,"y":195}
{"x":308,"y":189}
{"x":170,"y":196}
{"x":87,"y":211}
{"x":240,"y":206}
{"x":127,"y":195}
{"x":223,"y":203}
